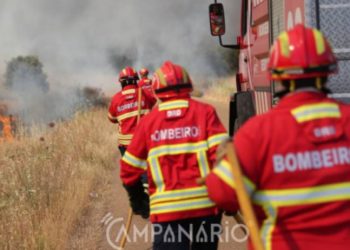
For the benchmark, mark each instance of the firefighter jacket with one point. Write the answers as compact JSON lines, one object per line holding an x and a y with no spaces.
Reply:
{"x":175,"y":144}
{"x":123,"y":110}
{"x":296,"y":165}
{"x":146,"y":85}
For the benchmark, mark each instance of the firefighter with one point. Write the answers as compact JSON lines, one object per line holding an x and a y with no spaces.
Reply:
{"x":145,"y":83}
{"x":127,"y":106}
{"x":175,"y":144}
{"x":295,"y":158}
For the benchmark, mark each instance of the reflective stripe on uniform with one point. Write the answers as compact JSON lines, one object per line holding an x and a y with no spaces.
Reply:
{"x":184,"y":205}
{"x":186,"y":199}
{"x":268,"y":226}
{"x":128,"y":91}
{"x":111,"y":117}
{"x":271,"y":200}
{"x":156,"y":173}
{"x":180,"y":194}
{"x":301,"y":196}
{"x":203,"y":163}
{"x":224,"y":172}
{"x":125,"y":136}
{"x":124,"y":142}
{"x":132,"y":114}
{"x":124,"y":139}
{"x":183,"y":148}
{"x":134,"y":161}
{"x":216,"y":139}
{"x":173,"y":105}
{"x":316,"y":111}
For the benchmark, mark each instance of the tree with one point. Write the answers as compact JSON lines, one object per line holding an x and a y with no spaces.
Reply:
{"x":26,"y":73}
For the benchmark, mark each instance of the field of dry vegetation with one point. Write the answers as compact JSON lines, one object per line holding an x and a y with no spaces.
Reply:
{"x":57,"y":183}
{"x":47,"y":181}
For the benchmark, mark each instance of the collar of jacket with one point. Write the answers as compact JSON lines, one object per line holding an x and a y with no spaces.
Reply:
{"x":299,"y":98}
{"x":129,"y":87}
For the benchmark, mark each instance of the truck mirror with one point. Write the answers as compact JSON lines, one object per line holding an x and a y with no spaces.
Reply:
{"x":217,"y":19}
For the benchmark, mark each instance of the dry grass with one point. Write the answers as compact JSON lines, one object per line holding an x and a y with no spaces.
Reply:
{"x":48,"y":174}
{"x":221,"y":89}
{"x":45,"y":181}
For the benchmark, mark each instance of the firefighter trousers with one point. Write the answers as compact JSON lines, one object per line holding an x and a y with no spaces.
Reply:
{"x":191,"y":234}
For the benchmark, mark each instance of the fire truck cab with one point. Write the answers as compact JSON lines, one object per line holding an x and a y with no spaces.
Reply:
{"x":255,"y":24}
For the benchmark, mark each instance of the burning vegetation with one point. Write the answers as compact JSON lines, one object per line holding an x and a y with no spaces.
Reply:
{"x":27,"y":97}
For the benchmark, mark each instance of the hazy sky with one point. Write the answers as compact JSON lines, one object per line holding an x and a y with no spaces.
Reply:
{"x":85,"y":42}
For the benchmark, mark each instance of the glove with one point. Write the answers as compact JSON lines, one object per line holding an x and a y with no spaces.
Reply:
{"x":139,"y":200}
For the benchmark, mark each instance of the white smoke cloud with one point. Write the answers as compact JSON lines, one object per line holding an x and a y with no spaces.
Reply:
{"x":76,"y":38}
{"x":87,"y":42}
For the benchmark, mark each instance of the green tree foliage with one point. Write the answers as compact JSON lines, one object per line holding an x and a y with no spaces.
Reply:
{"x":26,"y":72}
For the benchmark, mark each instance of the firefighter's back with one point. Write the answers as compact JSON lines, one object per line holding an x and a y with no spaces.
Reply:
{"x":304,"y":149}
{"x":183,"y":134}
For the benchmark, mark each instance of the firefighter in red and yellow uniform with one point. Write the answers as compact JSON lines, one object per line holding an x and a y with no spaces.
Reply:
{"x":175,"y":144}
{"x":296,"y":157}
{"x":126,"y":105}
{"x":145,"y":83}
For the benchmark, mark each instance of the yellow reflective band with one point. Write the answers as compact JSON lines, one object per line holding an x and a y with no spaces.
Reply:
{"x":111,"y":117}
{"x":183,"y":148}
{"x":124,"y":142}
{"x":203,"y":163}
{"x":178,"y":206}
{"x":132,"y":114}
{"x":125,"y":137}
{"x":224,"y":172}
{"x":180,"y":194}
{"x":161,"y":77}
{"x":173,"y":105}
{"x":268,"y":226}
{"x":284,"y":44}
{"x":128,"y":91}
{"x":320,"y":43}
{"x":156,"y":173}
{"x":302,"y":196}
{"x":216,"y":139}
{"x":316,"y":111}
{"x":134,"y":161}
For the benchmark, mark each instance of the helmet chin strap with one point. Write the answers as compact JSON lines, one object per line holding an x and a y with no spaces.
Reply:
{"x":292,"y":86}
{"x":319,"y":83}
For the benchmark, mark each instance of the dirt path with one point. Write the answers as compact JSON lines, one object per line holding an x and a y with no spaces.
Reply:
{"x":101,"y":222}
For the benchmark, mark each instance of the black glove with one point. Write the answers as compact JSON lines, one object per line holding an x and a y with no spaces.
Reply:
{"x":139,"y":200}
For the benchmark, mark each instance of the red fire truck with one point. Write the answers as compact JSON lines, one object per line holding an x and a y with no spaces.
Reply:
{"x":256,"y":24}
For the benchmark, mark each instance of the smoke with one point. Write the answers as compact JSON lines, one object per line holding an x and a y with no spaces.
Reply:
{"x":87,"y":42}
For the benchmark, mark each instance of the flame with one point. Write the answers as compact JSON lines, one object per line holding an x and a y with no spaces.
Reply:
{"x":6,"y":124}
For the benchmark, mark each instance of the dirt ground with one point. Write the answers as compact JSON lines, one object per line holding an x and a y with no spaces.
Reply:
{"x":108,"y":211}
